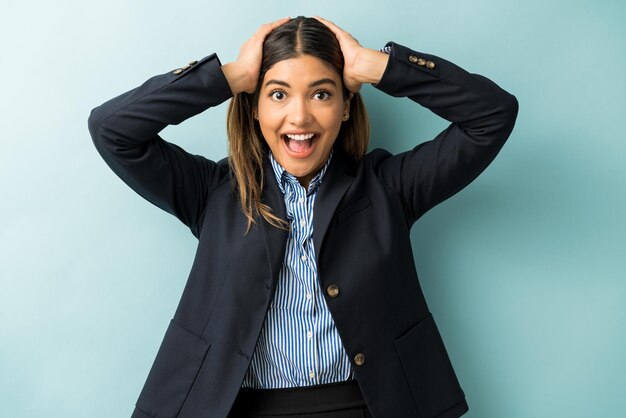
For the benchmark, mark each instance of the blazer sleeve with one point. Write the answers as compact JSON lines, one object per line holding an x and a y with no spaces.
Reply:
{"x":482,"y":116}
{"x":125,"y":131}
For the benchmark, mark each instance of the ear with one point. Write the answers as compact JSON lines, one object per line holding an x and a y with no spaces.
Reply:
{"x":346,"y":104}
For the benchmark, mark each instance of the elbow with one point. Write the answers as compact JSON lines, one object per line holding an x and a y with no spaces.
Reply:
{"x":504,"y":119}
{"x":93,"y":124}
{"x":100,"y":135}
{"x":511,"y":109}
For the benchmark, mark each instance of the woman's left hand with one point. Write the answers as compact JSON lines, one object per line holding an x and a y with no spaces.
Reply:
{"x":361,"y":65}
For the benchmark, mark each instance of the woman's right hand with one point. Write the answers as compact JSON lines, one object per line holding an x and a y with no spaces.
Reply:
{"x":243,"y":74}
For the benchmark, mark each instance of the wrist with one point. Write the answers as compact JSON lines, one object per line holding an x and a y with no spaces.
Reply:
{"x":238,"y":78}
{"x":371,"y":66}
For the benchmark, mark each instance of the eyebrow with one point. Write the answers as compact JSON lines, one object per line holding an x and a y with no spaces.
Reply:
{"x":313,"y":84}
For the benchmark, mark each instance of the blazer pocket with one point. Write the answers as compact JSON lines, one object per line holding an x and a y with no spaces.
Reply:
{"x":353,"y":208}
{"x":173,"y":372}
{"x":428,"y":370}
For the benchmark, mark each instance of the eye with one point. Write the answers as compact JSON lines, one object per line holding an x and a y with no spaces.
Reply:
{"x":277,"y":95}
{"x":322,"y":95}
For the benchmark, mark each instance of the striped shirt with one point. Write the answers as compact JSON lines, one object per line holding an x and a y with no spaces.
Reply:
{"x":299,"y":344}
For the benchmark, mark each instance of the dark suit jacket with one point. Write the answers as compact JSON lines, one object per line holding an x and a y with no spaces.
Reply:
{"x":363,"y":215}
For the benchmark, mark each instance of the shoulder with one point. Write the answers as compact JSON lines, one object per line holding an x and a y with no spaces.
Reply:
{"x":373,"y":160}
{"x":225,"y":173}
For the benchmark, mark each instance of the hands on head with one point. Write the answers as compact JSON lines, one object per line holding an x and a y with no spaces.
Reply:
{"x":243,"y":74}
{"x":361,"y":65}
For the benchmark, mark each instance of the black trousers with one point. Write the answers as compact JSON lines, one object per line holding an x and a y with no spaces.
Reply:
{"x":333,"y":400}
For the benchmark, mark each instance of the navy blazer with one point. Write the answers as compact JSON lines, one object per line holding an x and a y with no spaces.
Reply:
{"x":363,"y":215}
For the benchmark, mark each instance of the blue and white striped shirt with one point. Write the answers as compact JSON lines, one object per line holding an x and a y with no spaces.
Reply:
{"x":299,"y":344}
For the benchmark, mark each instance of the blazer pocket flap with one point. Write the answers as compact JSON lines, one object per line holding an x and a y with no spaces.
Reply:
{"x":428,"y":370}
{"x":173,"y":372}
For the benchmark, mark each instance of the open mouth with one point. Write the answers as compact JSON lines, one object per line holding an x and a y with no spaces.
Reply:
{"x":300,"y":143}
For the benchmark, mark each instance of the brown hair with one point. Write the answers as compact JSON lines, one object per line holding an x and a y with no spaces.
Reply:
{"x":246,"y":146}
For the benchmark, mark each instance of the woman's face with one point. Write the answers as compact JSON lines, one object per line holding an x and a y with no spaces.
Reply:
{"x":300,"y":111}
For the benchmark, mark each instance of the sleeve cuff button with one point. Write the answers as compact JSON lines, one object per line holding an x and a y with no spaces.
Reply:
{"x":430,"y":64}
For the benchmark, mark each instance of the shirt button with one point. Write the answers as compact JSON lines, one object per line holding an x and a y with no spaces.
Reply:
{"x":301,"y":200}
{"x":303,"y":257}
{"x":332,"y":291}
{"x":302,"y":222}
{"x":309,"y":334}
{"x":311,"y":374}
{"x":359,"y":359}
{"x":309,"y":296}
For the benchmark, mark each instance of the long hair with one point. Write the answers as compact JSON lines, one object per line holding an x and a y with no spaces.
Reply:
{"x":246,"y":147}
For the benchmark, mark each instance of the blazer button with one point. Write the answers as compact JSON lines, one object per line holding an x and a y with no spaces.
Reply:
{"x":421,"y":62}
{"x":332,"y":291}
{"x":430,"y":64}
{"x":359,"y":359}
{"x":413,"y":58}
{"x":178,"y":71}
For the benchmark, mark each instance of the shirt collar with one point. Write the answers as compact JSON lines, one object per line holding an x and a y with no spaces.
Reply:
{"x":283,"y":177}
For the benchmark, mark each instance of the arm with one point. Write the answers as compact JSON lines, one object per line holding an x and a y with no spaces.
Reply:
{"x":125,"y":132}
{"x":125,"y":129}
{"x":482,"y":116}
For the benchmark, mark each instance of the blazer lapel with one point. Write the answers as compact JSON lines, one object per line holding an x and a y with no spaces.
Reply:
{"x":275,"y":238}
{"x":334,"y":185}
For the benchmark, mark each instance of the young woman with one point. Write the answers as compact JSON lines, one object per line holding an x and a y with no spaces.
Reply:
{"x":303,"y":298}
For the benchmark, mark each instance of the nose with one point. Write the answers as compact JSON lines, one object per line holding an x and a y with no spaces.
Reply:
{"x":299,"y":112}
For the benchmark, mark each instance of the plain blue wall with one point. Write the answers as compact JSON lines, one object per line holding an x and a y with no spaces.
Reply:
{"x":524,"y":269}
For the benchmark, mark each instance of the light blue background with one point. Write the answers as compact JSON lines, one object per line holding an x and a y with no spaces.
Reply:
{"x":524,"y":270}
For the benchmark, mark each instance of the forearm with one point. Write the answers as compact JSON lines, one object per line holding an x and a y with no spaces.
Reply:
{"x":137,"y":116}
{"x":485,"y":111}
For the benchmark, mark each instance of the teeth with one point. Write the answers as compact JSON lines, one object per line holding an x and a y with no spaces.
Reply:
{"x":301,"y":137}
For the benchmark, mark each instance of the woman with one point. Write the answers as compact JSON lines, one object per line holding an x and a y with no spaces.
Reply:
{"x":303,"y":299}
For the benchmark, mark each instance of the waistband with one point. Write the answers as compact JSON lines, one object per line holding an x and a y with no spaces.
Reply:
{"x":305,"y":399}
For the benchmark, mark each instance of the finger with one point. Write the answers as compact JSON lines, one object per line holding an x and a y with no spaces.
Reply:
{"x":341,"y":35}
{"x":265,"y":29}
{"x":259,"y":36}
{"x":279,"y":22}
{"x":326,"y":22}
{"x":334,"y":28}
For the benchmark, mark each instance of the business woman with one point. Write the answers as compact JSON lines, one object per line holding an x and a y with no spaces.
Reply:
{"x":303,"y":298}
